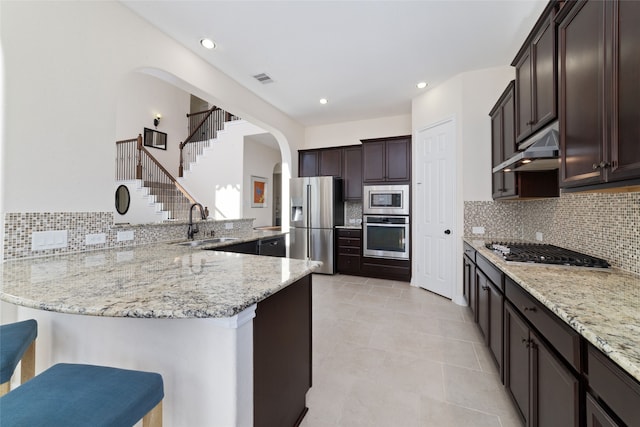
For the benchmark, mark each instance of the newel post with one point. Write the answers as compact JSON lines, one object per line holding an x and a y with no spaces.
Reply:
{"x":139,"y":165}
{"x":180,"y":168}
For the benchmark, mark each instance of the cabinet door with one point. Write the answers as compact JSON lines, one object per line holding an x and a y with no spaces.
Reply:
{"x":307,"y":163}
{"x":352,"y":174}
{"x":330,"y":162}
{"x":625,"y":143}
{"x":496,"y":324}
{"x":523,"y":96}
{"x":597,"y":416}
{"x":508,"y":144}
{"x":581,"y":57}
{"x":473,"y":291}
{"x":373,"y":158}
{"x":544,"y":63}
{"x":516,"y":360}
{"x":555,"y":392}
{"x":483,"y":304}
{"x":398,"y":154}
{"x":496,"y":153}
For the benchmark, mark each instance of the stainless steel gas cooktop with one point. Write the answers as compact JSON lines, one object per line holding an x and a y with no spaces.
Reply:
{"x":544,"y":254}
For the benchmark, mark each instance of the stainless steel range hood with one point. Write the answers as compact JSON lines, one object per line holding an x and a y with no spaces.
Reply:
{"x":541,"y":152}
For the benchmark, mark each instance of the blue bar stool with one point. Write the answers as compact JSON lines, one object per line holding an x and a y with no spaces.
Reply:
{"x":17,"y":343}
{"x":72,"y":395}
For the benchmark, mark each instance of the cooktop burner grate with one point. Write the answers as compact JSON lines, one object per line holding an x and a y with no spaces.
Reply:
{"x":544,"y":254}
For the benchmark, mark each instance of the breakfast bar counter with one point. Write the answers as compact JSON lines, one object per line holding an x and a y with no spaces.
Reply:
{"x":190,"y":314}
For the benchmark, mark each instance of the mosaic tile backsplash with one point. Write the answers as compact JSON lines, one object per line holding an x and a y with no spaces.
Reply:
{"x":18,"y":228}
{"x":606,"y":225}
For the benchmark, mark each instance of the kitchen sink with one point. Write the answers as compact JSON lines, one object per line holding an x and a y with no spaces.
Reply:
{"x":194,"y":243}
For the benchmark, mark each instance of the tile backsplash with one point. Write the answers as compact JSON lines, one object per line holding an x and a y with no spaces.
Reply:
{"x":606,"y":225}
{"x":18,"y":228}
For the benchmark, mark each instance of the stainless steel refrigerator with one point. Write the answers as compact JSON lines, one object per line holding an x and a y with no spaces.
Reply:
{"x":316,"y":208}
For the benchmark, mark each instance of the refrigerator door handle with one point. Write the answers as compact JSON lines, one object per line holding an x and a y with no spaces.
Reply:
{"x":308,"y":221}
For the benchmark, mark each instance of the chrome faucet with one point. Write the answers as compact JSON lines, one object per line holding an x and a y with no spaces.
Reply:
{"x":193,"y":228}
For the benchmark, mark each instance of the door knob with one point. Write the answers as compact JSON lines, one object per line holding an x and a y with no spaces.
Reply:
{"x":447,"y":231}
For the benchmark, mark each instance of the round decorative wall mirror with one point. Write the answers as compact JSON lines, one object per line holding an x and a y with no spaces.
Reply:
{"x":122,"y":199}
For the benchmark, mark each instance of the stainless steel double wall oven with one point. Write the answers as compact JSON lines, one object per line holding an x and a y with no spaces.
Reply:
{"x":386,"y":221}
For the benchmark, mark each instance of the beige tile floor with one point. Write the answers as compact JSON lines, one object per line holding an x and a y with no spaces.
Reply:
{"x":388,"y":354}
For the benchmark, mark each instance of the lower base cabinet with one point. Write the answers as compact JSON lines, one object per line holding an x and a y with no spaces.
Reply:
{"x":596,"y":415}
{"x":545,"y":391}
{"x":282,"y":356}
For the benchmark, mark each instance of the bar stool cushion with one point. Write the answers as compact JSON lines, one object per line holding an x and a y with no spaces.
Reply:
{"x":82,"y":395}
{"x":15,"y":338}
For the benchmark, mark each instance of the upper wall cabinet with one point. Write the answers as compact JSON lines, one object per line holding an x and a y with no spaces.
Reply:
{"x":386,"y":159}
{"x":342,"y":162}
{"x":599,"y":59}
{"x":536,"y":77}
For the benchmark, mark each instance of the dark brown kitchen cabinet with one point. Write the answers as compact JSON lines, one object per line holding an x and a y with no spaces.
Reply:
{"x":386,"y":159}
{"x":320,"y":162}
{"x":330,"y":162}
{"x":490,"y":302}
{"x":469,"y":276}
{"x":514,"y":184}
{"x":349,"y":247}
{"x":545,"y":391}
{"x":503,"y":142}
{"x":619,"y":392}
{"x":536,"y":77}
{"x":596,"y":415}
{"x":599,"y":59}
{"x":352,"y":173}
{"x":308,"y":163}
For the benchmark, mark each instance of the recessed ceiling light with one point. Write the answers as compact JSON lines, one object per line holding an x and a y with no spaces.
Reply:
{"x":208,"y":43}
{"x":421,"y":85}
{"x":323,"y":101}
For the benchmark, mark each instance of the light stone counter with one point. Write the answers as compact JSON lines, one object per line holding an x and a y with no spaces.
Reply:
{"x":601,"y":305}
{"x":162,"y":280}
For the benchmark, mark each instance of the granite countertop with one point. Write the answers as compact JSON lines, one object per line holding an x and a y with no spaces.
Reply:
{"x":601,"y":305}
{"x":162,"y":280}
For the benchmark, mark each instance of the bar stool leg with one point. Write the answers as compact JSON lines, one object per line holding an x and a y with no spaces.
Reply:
{"x":153,"y":417}
{"x":28,"y":364}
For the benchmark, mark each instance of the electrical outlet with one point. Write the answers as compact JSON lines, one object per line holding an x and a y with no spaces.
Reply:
{"x":477,"y":230}
{"x":95,"y":239}
{"x":538,"y":236}
{"x":228,"y":226}
{"x":42,"y":240}
{"x":124,"y":236}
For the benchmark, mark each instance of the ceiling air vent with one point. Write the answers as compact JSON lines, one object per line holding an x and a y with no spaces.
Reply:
{"x":263,"y":78}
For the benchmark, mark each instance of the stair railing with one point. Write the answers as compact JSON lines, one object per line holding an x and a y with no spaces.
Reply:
{"x":134,"y":161}
{"x":203,"y":126}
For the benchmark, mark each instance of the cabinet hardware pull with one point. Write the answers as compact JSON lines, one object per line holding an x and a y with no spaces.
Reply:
{"x":595,"y":166}
{"x":526,"y":342}
{"x":605,"y":165}
{"x":485,"y":288}
{"x":532,"y":309}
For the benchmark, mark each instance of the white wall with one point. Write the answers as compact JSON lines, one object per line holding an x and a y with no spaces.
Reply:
{"x":350,"y":133}
{"x":259,"y":160}
{"x":140,"y":98}
{"x":65,"y":63}
{"x":468,"y":98}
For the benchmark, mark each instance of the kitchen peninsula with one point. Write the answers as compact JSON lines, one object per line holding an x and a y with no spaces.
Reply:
{"x":208,"y":321}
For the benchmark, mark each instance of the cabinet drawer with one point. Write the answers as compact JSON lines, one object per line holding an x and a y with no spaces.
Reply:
{"x":469,"y":251}
{"x":349,"y":264}
{"x":345,"y":241}
{"x":349,"y":250}
{"x":491,"y":271}
{"x":614,"y":386}
{"x":349,"y":232}
{"x":565,"y":340}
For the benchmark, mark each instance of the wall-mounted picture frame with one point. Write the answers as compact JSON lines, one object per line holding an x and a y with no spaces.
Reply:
{"x":154,"y":138}
{"x":258,"y":192}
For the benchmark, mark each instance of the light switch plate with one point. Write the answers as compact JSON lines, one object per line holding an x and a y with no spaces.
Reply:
{"x":228,"y":226}
{"x":53,"y":239}
{"x":95,"y":239}
{"x":477,"y":230}
{"x":124,"y":236}
{"x":538,"y":236}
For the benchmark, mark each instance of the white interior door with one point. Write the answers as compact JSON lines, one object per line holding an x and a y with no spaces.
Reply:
{"x":434,"y":209}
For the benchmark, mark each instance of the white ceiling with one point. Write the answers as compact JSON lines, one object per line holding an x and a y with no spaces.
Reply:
{"x":365,"y":57}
